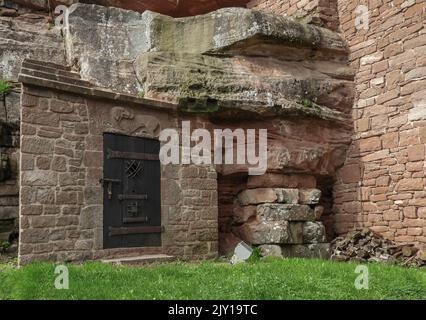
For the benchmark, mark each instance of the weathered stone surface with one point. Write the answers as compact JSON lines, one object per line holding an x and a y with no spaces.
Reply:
{"x":256,"y":196}
{"x":286,"y":212}
{"x":39,"y":178}
{"x":289,"y":196}
{"x":313,"y":232}
{"x":12,"y":106}
{"x":295,"y":230}
{"x":28,"y":36}
{"x":270,"y":232}
{"x":206,"y":34}
{"x":34,"y":235}
{"x":37,"y":145}
{"x":264,"y":233}
{"x":104,"y":41}
{"x":242,"y":214}
{"x":207,"y":84}
{"x":187,"y":69}
{"x":317,"y":250}
{"x":268,"y":250}
{"x":319,"y":210}
{"x":281,"y":181}
{"x":8,"y":212}
{"x":281,"y":195}
{"x":174,"y":8}
{"x":309,"y":196}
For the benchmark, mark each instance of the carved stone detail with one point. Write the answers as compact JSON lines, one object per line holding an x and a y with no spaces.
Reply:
{"x":140,"y":125}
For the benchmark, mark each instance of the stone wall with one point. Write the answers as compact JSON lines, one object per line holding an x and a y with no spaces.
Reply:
{"x":61,"y":214}
{"x":319,"y":12}
{"x":24,"y":33}
{"x":383,"y":184}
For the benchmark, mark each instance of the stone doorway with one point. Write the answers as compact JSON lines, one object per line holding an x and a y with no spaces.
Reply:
{"x":132,"y":205}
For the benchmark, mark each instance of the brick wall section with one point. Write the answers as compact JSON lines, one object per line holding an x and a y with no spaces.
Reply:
{"x":319,"y":12}
{"x":61,"y":199}
{"x":383,"y":184}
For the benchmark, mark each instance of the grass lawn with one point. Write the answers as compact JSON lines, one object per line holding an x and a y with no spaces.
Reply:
{"x":266,"y":279}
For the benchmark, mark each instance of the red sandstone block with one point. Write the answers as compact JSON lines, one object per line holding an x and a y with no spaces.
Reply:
{"x":390,"y":140}
{"x":375,"y":217}
{"x":378,"y":155}
{"x":422,"y":134}
{"x":393,"y":78}
{"x":409,"y":137}
{"x":414,"y":10}
{"x":418,"y":202}
{"x":415,"y":166}
{"x":363,"y":124}
{"x":410,"y":212}
{"x":421,"y":239}
{"x":350,"y":173}
{"x":395,"y":224}
{"x":398,"y":121}
{"x":401,"y":232}
{"x":410,"y":184}
{"x":421,"y":212}
{"x":393,"y":50}
{"x":416,"y":152}
{"x":380,"y":190}
{"x":380,"y":229}
{"x":391,"y":215}
{"x":414,"y":231}
{"x":414,"y":223}
{"x":388,"y":162}
{"x":412,"y":87}
{"x":387,"y":96}
{"x":380,"y":66}
{"x":379,"y":197}
{"x":370,"y":144}
{"x":380,"y":121}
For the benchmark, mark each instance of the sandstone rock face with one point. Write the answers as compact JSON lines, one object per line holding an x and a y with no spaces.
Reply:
{"x":174,"y":8}
{"x":28,"y":36}
{"x":102,"y":42}
{"x":212,"y":33}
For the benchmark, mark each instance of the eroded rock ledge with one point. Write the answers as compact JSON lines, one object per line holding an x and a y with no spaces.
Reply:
{"x":233,"y":60}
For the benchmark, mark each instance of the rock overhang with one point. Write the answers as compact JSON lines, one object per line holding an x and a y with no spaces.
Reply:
{"x":231,"y":57}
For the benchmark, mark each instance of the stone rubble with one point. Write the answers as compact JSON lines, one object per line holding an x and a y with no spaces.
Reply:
{"x":367,"y":246}
{"x":281,"y":222}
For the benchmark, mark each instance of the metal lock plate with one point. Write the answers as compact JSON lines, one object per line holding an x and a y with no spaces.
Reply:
{"x":132,"y":209}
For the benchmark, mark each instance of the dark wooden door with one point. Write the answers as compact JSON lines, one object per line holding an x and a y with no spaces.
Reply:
{"x":132,"y":205}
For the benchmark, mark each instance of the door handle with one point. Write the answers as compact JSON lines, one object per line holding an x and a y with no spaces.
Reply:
{"x":109,"y":183}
